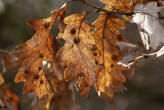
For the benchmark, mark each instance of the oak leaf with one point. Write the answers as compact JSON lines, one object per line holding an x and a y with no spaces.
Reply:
{"x":31,"y":68}
{"x":110,"y":76}
{"x":77,"y":54}
{"x":37,"y":56}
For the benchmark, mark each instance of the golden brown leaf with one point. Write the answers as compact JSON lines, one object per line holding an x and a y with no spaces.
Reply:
{"x":37,"y":51}
{"x":37,"y":58}
{"x":76,"y":54}
{"x":110,"y":76}
{"x":35,"y":75}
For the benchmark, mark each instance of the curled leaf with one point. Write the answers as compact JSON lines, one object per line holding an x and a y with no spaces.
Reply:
{"x":150,"y":29}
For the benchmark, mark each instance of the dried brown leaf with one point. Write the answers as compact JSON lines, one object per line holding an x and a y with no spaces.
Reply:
{"x":76,"y":54}
{"x":110,"y":76}
{"x":37,"y":54}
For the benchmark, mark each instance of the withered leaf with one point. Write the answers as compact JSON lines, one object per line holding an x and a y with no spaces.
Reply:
{"x":37,"y":58}
{"x":110,"y":76}
{"x":41,"y":47}
{"x":151,"y":36}
{"x":77,"y":53}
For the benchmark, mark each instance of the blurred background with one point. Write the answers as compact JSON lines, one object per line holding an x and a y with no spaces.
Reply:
{"x":145,"y":89}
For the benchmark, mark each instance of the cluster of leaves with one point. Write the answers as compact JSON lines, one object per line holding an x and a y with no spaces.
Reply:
{"x":94,"y":54}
